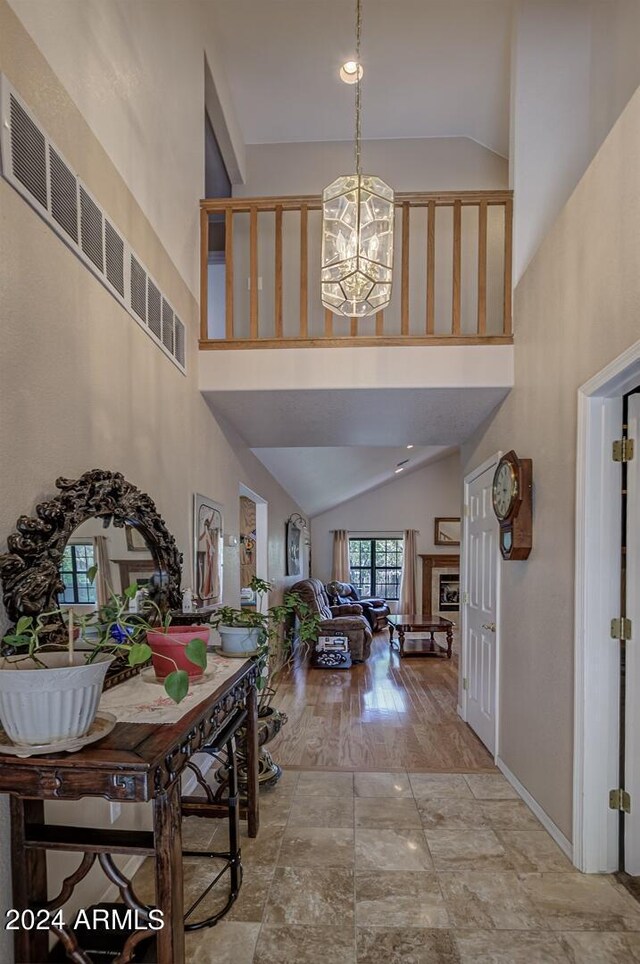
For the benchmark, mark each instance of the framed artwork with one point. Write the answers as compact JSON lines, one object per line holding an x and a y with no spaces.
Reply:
{"x":207,"y":550}
{"x":294,"y":560}
{"x":447,"y":531}
{"x":135,"y":539}
{"x":131,"y":571}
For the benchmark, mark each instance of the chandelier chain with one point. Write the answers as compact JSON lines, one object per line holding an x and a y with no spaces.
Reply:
{"x":358,"y":86}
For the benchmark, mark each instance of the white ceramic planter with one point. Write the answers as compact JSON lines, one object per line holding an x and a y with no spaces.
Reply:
{"x":50,"y":705}
{"x":239,"y":640}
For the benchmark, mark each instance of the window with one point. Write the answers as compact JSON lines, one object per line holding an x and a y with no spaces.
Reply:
{"x":77,"y":559}
{"x":376,"y":565}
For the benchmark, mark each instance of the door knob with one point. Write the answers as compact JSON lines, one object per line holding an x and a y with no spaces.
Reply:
{"x":490,"y":626}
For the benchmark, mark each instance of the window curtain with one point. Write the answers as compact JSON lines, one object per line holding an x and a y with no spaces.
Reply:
{"x":102,"y":562}
{"x":408,"y":575}
{"x":340,"y":569}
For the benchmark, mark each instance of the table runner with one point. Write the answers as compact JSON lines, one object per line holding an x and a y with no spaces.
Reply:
{"x":142,"y":700}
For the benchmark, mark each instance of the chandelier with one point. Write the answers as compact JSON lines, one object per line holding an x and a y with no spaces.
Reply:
{"x":357,"y":231}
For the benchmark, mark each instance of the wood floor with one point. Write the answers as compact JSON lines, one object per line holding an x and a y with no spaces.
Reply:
{"x":379,"y":715}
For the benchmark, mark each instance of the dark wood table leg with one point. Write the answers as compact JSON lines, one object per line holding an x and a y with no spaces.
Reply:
{"x":167,"y":827}
{"x":401,"y":640}
{"x":253,"y":787}
{"x":449,"y":642}
{"x":29,"y":878}
{"x":391,"y":628}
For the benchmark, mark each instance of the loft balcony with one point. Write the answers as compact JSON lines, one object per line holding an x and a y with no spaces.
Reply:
{"x":260,"y":280}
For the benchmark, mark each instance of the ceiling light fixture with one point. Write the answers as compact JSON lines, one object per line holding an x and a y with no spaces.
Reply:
{"x":351,"y":72}
{"x":400,"y":469}
{"x":357,"y":230}
{"x":409,"y":446}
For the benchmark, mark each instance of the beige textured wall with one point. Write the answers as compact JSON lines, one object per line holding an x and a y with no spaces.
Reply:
{"x":411,"y":501}
{"x":82,"y":386}
{"x":576,"y":308}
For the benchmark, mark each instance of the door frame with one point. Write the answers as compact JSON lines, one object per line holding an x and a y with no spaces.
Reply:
{"x":471,"y":476}
{"x":597,"y":601}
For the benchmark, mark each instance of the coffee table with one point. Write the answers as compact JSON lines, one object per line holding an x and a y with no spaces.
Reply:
{"x":414,"y":623}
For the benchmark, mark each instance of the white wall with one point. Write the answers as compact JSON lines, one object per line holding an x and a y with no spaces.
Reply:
{"x":136,"y":73}
{"x":409,"y":502}
{"x":577,"y":308}
{"x":418,"y":164}
{"x":575,"y":63}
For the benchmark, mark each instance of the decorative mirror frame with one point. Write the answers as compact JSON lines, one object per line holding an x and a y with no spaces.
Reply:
{"x":438,"y":536}
{"x":30,"y":570}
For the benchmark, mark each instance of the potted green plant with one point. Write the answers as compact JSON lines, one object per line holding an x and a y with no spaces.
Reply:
{"x":272,"y":643}
{"x":51,"y":695}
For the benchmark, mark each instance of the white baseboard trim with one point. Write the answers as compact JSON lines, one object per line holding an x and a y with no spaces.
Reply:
{"x":134,"y":863}
{"x":565,"y":845}
{"x":461,"y":712}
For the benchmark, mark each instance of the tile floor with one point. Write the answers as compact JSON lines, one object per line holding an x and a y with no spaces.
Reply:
{"x":397,"y":868}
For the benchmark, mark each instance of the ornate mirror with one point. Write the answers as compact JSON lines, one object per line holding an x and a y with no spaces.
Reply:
{"x":97,"y":520}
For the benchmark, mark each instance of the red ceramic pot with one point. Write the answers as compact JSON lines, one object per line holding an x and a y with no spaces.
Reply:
{"x":168,"y":649}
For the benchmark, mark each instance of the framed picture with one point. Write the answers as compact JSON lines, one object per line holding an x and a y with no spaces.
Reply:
{"x":207,"y":550}
{"x":294,"y":561}
{"x":135,"y":539}
{"x":447,"y":531}
{"x":131,"y":571}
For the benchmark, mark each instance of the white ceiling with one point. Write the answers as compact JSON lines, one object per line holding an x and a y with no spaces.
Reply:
{"x":321,"y":478}
{"x":433,"y":68}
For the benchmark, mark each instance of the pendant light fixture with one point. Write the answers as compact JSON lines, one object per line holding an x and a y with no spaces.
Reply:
{"x":357,"y":230}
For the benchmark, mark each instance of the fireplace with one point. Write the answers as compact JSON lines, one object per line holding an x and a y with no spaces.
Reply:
{"x":441,"y":585}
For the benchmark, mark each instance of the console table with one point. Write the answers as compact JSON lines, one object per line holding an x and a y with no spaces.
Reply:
{"x":136,"y":762}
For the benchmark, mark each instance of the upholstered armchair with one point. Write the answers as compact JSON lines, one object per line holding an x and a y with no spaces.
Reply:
{"x":343,"y":620}
{"x":375,"y":610}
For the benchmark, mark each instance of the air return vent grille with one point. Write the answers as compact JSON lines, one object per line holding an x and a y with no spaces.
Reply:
{"x":38,"y":171}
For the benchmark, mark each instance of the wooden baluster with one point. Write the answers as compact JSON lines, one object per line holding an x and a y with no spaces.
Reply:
{"x":328,"y":323}
{"x":354,"y":328}
{"x":204,"y":274}
{"x":278,"y":283}
{"x":482,"y":268}
{"x":253,"y":273}
{"x":508,"y":269}
{"x":404,"y":296}
{"x":457,"y":250}
{"x":380,"y":323}
{"x":431,"y":266}
{"x":304,"y":272}
{"x":228,"y":272}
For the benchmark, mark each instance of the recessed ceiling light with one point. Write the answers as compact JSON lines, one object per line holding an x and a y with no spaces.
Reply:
{"x":399,"y":470}
{"x":409,"y":446}
{"x":351,"y":72}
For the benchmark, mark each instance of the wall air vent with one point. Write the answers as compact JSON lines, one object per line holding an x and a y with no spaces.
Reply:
{"x":34,"y":166}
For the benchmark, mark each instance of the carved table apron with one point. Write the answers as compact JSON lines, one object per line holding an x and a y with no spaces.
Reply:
{"x":135,"y":763}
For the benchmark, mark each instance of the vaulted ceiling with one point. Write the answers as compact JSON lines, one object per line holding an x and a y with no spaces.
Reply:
{"x":433,"y":68}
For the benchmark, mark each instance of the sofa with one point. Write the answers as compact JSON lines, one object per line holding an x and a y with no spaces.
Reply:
{"x":375,"y":610}
{"x":341,"y":620}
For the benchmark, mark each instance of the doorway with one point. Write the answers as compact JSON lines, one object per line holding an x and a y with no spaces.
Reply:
{"x":480,"y":606}
{"x":600,"y":757}
{"x":254,"y":545}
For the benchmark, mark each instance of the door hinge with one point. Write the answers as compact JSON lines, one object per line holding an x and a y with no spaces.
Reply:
{"x":620,"y":800}
{"x":465,"y":598}
{"x":621,"y":628}
{"x":465,"y":683}
{"x":623,"y":450}
{"x":465,"y":509}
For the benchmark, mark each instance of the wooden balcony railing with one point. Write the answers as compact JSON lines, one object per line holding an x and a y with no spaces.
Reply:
{"x":260,"y":274}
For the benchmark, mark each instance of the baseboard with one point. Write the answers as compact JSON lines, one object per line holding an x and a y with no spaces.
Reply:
{"x":565,"y":845}
{"x":461,"y":713}
{"x":135,"y":863}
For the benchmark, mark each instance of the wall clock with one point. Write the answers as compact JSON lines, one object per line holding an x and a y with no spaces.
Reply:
{"x":511,"y":495}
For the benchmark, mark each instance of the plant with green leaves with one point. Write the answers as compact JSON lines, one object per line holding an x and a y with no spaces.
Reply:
{"x":112,"y":630}
{"x":275,"y":646}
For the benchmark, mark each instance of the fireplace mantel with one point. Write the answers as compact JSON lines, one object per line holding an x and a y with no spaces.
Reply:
{"x":429,"y":563}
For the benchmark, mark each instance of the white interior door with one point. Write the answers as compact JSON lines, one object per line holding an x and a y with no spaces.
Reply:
{"x":632,"y":699}
{"x":481,"y":607}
